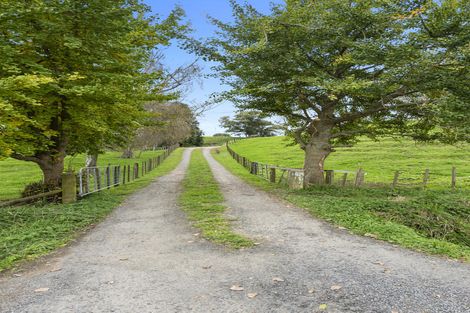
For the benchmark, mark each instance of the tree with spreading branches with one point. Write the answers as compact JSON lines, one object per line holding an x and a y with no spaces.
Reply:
{"x":73,"y":78}
{"x":336,"y":70}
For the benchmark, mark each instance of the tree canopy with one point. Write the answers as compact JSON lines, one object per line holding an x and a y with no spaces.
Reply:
{"x":248,"y":124}
{"x":340,"y":69}
{"x":72,"y":75}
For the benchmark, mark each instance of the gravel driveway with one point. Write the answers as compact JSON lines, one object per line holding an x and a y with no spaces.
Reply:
{"x":147,"y":258}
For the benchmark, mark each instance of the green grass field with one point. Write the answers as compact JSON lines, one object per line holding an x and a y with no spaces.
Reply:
{"x":379,"y":159}
{"x":14,"y":174}
{"x":202,"y":201}
{"x":215,"y":140}
{"x":28,"y":232}
{"x":435,"y":221}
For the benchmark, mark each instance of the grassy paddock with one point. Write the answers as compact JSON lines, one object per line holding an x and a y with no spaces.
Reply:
{"x":29,"y":232}
{"x":15,"y":174}
{"x":202,"y":202}
{"x":379,"y":159}
{"x":215,"y":140}
{"x":433,"y":221}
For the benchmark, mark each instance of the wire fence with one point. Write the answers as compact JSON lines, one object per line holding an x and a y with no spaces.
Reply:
{"x":95,"y":179}
{"x":294,"y":177}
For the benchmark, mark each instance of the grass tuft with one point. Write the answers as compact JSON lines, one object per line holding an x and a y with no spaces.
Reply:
{"x":202,"y":202}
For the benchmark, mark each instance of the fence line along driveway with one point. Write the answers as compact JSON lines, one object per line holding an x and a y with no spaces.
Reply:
{"x":146,"y":258}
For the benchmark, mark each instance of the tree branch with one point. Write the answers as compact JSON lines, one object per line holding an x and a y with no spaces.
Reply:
{"x":21,"y":157}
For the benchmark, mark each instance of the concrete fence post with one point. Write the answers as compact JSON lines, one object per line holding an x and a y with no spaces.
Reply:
{"x":69,"y":187}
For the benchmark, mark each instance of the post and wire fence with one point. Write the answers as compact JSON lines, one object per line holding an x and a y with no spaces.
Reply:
{"x":95,"y":179}
{"x":294,"y":177}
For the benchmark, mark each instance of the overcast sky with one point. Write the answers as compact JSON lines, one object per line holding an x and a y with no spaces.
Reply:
{"x":196,"y":13}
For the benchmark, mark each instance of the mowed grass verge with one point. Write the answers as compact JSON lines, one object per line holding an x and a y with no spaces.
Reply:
{"x":15,"y":174}
{"x":379,"y":159}
{"x":29,"y":232}
{"x":202,"y":201}
{"x":432,"y":221}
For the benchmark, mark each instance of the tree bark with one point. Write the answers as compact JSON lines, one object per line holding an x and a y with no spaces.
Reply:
{"x":317,"y":150}
{"x":52,"y":168}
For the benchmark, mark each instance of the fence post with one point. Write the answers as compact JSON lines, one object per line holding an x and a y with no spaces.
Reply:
{"x":344,"y":179}
{"x":425,"y":177}
{"x":108,"y":176}
{"x":454,"y":177}
{"x":395,"y":179}
{"x":124,"y":175}
{"x":272,"y":174}
{"x":128,"y":173}
{"x":136,"y":170}
{"x":330,"y":176}
{"x":97,"y":179}
{"x":254,"y":168}
{"x":359,"y":178}
{"x":159,"y":160}
{"x":69,"y":187}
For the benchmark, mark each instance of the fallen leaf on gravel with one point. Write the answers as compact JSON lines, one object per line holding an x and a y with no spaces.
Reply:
{"x":41,"y":290}
{"x":110,"y":282}
{"x":196,"y":234}
{"x":323,"y":306}
{"x":341,"y":227}
{"x":387,"y":270}
{"x":277,"y":279}
{"x":236,"y":288}
{"x":311,"y":290}
{"x":379,"y":263}
{"x":252,"y":295}
{"x":124,"y":259}
{"x":207,"y":267}
{"x":336,"y":287}
{"x":17,"y":275}
{"x":394,"y":311}
{"x":257,"y":243}
{"x":370,"y":235}
{"x":190,"y":241}
{"x":56,"y":270}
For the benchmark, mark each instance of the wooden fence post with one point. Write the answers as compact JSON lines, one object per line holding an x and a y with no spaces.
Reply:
{"x":395,"y":179}
{"x":425,"y":177}
{"x":344,"y":179}
{"x":69,"y":187}
{"x":136,"y":170}
{"x":454,"y":177}
{"x":124,"y":175}
{"x":272,"y":174}
{"x":108,"y":176}
{"x":128,"y":173}
{"x":330,"y":177}
{"x":359,"y":177}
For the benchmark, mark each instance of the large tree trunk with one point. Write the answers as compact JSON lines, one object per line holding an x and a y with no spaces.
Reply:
{"x":316,"y":151}
{"x":52,"y":168}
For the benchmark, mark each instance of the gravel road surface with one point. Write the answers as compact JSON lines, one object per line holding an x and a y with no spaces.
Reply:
{"x":147,"y":258}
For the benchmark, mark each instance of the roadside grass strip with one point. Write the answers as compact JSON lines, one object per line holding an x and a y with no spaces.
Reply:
{"x":29,"y":232}
{"x":202,"y":201}
{"x":431,"y":221}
